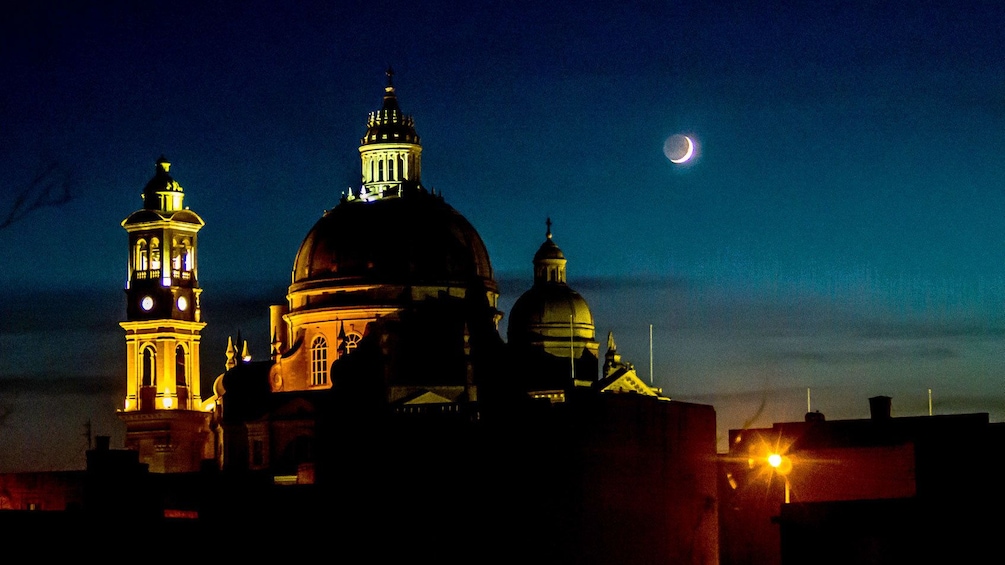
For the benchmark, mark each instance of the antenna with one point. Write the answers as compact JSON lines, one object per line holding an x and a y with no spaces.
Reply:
{"x":808,"y":409}
{"x":572,"y":350}
{"x":650,"y":354}
{"x":87,"y":433}
{"x":929,"y":402}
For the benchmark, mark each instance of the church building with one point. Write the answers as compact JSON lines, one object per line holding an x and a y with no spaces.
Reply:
{"x":389,"y":389}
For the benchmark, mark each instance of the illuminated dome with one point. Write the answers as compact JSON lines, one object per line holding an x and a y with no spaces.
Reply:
{"x":549,"y":306}
{"x":390,"y":234}
{"x":391,"y":263}
{"x":417,"y":239}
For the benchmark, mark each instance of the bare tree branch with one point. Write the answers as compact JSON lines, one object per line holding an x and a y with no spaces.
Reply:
{"x":52,"y":186}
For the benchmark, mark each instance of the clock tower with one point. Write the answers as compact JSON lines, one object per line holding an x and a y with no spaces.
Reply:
{"x":163,"y":412}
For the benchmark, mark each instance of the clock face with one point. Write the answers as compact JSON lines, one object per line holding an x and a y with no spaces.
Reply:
{"x":147,"y":303}
{"x":182,"y":303}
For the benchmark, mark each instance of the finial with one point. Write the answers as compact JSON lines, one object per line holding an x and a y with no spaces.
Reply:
{"x":231,"y":354}
{"x":275,"y":345}
{"x":390,"y":78}
{"x":548,"y":223}
{"x":610,"y":342}
{"x":163,"y":163}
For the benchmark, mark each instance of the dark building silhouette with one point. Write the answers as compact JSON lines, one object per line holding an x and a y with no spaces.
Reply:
{"x":391,"y":397}
{"x":878,"y":490}
{"x":391,"y":420}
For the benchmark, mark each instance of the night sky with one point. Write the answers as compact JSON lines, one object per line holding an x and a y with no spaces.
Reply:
{"x":841,"y":227}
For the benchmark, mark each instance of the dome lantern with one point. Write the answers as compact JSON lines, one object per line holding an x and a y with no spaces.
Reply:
{"x":390,"y":152}
{"x":163,"y":192}
{"x":549,"y":261}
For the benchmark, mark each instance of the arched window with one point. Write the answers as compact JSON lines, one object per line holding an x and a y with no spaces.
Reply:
{"x":181,"y":366}
{"x":390,"y":169}
{"x":319,"y":361}
{"x":155,"y":254}
{"x":149,"y":375}
{"x":141,"y":255}
{"x":401,"y":168}
{"x":352,"y":340}
{"x":186,"y":255}
{"x":176,"y":249}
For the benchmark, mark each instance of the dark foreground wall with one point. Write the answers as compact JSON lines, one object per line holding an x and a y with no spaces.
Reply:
{"x":601,"y":479}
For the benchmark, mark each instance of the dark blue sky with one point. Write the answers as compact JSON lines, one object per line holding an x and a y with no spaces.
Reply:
{"x":841,"y":228}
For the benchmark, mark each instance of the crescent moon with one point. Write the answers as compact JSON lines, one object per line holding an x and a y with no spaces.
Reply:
{"x":687,"y":154}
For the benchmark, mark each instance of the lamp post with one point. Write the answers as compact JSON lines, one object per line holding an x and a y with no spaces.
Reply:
{"x":783,"y":466}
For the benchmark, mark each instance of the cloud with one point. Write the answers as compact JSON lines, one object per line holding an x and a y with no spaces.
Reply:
{"x":930,"y":330}
{"x":867,"y":354}
{"x":61,"y":385}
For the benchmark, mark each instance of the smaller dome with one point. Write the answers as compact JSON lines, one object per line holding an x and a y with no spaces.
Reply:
{"x":162,"y":192}
{"x":554,"y":305}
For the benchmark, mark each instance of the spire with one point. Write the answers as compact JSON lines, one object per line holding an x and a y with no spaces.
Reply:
{"x":231,"y":354}
{"x":390,"y":99}
{"x":549,"y":261}
{"x":343,"y":341}
{"x":245,"y":354}
{"x":612,"y":359}
{"x":275,"y":345}
{"x":389,"y":150}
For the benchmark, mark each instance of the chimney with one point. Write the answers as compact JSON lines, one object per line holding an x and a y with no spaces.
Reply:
{"x":879,"y":408}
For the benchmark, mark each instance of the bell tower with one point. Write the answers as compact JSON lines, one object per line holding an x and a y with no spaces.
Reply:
{"x":163,"y":412}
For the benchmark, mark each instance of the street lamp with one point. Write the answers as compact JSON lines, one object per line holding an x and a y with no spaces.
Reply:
{"x":783,"y":466}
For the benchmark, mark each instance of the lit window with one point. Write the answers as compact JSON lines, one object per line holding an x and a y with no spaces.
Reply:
{"x":149,"y":376}
{"x":181,"y":366}
{"x":141,"y":255}
{"x":352,"y":340}
{"x":319,"y":361}
{"x":175,"y":255}
{"x":155,"y":254}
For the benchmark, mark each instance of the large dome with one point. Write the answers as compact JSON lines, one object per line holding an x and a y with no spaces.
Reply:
{"x":417,"y":239}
